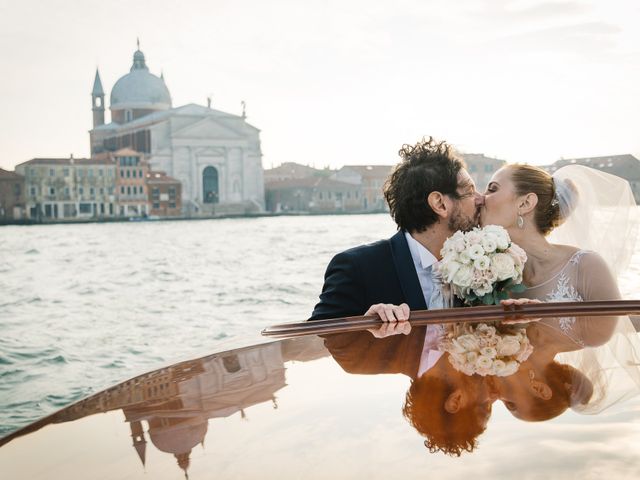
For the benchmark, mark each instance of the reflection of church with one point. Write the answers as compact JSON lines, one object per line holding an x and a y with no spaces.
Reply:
{"x":215,"y":155}
{"x":177,"y":402}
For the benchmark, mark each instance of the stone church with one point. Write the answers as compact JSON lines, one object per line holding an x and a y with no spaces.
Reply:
{"x":215,"y":155}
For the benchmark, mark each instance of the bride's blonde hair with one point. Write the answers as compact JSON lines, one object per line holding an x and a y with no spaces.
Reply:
{"x":548,"y":213}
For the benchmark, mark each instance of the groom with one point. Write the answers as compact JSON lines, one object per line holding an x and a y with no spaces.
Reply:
{"x":430,"y":196}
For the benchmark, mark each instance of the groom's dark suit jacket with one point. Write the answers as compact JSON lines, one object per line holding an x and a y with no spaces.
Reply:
{"x":382,"y":272}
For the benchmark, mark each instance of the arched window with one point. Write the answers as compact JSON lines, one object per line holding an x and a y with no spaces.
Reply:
{"x":210,"y":192}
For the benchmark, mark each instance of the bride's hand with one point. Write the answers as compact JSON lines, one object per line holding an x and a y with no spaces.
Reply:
{"x":394,"y":319}
{"x":519,"y":301}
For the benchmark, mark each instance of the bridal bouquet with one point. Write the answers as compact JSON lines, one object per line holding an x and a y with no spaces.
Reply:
{"x":482,"y":266}
{"x":485,"y":351}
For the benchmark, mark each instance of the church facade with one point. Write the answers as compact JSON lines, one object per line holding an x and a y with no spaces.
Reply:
{"x":215,"y":155}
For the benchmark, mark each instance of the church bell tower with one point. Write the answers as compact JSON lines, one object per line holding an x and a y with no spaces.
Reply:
{"x":97,"y":97}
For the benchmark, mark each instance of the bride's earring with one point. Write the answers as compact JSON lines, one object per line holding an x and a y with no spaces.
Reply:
{"x":520,"y":221}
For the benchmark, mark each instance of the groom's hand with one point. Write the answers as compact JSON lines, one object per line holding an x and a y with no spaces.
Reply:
{"x":394,"y":319}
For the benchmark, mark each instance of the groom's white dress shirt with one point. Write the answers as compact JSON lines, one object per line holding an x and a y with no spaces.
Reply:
{"x":424,"y":261}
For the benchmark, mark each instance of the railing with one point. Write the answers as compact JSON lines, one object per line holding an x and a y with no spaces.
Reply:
{"x":461,"y":315}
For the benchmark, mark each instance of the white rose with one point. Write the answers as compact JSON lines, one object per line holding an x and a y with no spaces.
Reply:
{"x":484,"y":366}
{"x":482,"y":263}
{"x":483,"y":289}
{"x":491,"y":275}
{"x":485,"y":330}
{"x":457,"y":236}
{"x":518,"y":254}
{"x":463,"y":257}
{"x":463,"y":276}
{"x":489,"y":243}
{"x":451,"y":346}
{"x":503,"y":265}
{"x":484,"y":362}
{"x":472,"y":357}
{"x":498,"y":367}
{"x":468,"y":342}
{"x":501,"y":236}
{"x":448,"y":257}
{"x":508,"y":345}
{"x":488,"y":352}
{"x":510,"y":368}
{"x":473,"y":237}
{"x":475,"y":251}
{"x":468,"y":369}
{"x":449,"y":270}
{"x":448,"y":247}
{"x":457,"y":358}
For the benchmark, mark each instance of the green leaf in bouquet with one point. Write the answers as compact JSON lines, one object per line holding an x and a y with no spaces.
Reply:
{"x":501,"y":296}
{"x":488,"y":299}
{"x":519,"y":288}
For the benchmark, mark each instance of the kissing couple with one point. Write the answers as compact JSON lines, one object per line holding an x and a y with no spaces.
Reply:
{"x":431,"y":196}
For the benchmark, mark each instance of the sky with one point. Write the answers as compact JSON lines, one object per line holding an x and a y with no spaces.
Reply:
{"x":331,"y":83}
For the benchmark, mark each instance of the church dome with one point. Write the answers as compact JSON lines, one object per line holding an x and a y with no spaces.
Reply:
{"x":177,"y":435}
{"x":140,"y":89}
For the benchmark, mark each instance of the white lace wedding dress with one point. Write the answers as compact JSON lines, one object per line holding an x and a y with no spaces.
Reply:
{"x":607,"y":349}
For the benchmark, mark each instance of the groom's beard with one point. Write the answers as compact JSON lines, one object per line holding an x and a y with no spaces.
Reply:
{"x":460,"y":221}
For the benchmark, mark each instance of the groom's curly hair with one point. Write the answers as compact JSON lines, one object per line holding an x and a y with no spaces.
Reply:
{"x":428,"y":166}
{"x":449,"y":433}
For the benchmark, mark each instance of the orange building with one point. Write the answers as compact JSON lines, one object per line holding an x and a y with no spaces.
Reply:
{"x":165,"y":194}
{"x":130,"y":181}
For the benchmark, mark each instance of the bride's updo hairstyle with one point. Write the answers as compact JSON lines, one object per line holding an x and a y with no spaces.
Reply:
{"x":552,"y":208}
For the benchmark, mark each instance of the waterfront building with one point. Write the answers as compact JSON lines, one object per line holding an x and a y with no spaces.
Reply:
{"x":131,"y":171}
{"x":165,"y":195}
{"x":481,"y":168}
{"x":624,"y":166}
{"x":313,"y":195}
{"x":371,"y":180}
{"x":69,"y":188}
{"x":215,"y":155}
{"x":291,"y":170}
{"x":12,"y":196}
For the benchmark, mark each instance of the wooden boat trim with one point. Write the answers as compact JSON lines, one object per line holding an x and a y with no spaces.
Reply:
{"x":463,"y":315}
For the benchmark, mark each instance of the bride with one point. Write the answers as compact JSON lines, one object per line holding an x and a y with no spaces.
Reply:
{"x":587,"y":207}
{"x":578,"y":228}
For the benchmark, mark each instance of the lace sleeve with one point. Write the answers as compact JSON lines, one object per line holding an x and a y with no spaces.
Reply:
{"x":594,"y":279}
{"x":610,"y":352}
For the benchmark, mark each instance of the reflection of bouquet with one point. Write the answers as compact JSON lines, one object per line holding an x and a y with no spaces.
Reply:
{"x":482,"y":265}
{"x":484,"y":351}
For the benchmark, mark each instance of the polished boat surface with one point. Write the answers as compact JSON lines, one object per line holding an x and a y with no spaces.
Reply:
{"x":304,"y":407}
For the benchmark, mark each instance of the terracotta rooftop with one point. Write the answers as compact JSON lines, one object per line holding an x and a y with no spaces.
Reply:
{"x":160,"y":177}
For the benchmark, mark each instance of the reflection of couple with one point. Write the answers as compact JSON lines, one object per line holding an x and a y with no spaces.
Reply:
{"x":431,"y":196}
{"x":451,"y":409}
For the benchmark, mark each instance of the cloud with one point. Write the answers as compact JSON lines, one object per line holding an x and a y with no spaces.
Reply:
{"x":589,"y":38}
